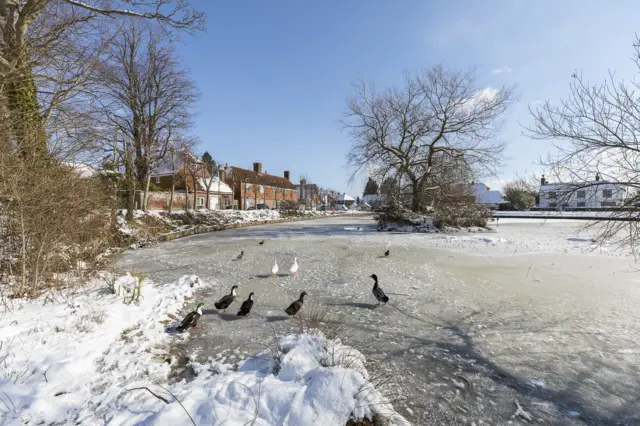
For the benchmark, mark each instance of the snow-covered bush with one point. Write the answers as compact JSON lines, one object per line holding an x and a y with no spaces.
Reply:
{"x":394,"y":217}
{"x":461,"y":214}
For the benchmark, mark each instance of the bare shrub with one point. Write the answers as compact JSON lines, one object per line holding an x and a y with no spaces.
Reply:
{"x":52,"y":220}
{"x":312,"y":317}
{"x":289,"y":207}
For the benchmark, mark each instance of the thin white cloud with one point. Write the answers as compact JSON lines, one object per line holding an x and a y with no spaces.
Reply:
{"x":500,"y":70}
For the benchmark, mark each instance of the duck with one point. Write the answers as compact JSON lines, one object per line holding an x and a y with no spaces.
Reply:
{"x":386,"y":253}
{"x":246,"y":306}
{"x":294,"y":267}
{"x":261,"y":242}
{"x":274,"y":269}
{"x":377,"y":291}
{"x":226,"y":300}
{"x":297,"y":305}
{"x":240,"y":255}
{"x":191,"y":320}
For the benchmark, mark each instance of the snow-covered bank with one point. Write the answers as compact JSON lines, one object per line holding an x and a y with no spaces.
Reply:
{"x":87,"y":357}
{"x":306,"y":379}
{"x":60,"y":360}
{"x":146,"y":227}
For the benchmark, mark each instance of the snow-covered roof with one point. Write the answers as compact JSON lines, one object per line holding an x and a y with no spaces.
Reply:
{"x":485,"y":196}
{"x":82,"y":170}
{"x":595,"y":185}
{"x":344,"y":197}
{"x":224,"y":188}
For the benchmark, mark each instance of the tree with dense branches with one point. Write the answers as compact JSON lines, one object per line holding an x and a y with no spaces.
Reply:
{"x":439,"y":120}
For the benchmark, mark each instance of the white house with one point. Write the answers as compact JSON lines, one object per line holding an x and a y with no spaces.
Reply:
{"x":485,"y":196}
{"x":374,"y":200}
{"x":345,"y":199}
{"x":594,"y":194}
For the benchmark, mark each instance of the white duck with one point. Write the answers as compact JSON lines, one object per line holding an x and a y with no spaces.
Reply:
{"x":274,"y":269}
{"x":294,"y":267}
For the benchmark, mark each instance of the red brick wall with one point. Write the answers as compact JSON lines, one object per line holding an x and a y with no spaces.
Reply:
{"x":159,"y":200}
{"x":268,"y":196}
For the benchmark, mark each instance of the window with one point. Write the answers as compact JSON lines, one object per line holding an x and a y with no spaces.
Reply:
{"x":157,"y":179}
{"x":552,"y":205}
{"x":581,"y":195}
{"x":581,"y":204}
{"x":227,"y":202}
{"x":200,"y":201}
{"x":608,"y":204}
{"x":607,"y":193}
{"x":552,"y":195}
{"x":248,"y":187}
{"x":565,"y":205}
{"x":261,"y":189}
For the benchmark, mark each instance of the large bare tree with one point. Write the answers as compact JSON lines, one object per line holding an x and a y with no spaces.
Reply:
{"x":146,"y":95}
{"x":31,"y":32}
{"x":437,"y":118}
{"x":596,"y":130}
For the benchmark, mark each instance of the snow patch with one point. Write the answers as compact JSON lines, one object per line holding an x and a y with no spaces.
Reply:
{"x":87,"y":360}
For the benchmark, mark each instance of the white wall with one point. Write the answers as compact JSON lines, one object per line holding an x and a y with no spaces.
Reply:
{"x":568,"y":196}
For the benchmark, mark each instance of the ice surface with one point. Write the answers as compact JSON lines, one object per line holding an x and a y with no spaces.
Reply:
{"x":518,"y":305}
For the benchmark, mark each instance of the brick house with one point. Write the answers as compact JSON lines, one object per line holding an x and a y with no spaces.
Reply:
{"x":252,"y":188}
{"x":220,"y":194}
{"x":309,"y":194}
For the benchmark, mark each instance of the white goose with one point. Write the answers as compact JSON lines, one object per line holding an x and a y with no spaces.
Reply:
{"x":294,"y":267}
{"x":274,"y":269}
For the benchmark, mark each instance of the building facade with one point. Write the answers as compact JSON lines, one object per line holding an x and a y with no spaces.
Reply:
{"x":255,"y":189}
{"x":596,"y":194}
{"x":309,"y":195}
{"x":190,"y":190}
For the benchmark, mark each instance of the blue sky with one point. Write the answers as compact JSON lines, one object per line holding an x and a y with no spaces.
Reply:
{"x":274,"y":75}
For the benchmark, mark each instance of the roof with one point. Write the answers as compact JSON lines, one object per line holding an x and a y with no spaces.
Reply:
{"x":344,"y":197}
{"x":598,"y":185}
{"x":485,"y":196}
{"x":82,"y":170}
{"x":224,"y":188}
{"x":250,"y":176}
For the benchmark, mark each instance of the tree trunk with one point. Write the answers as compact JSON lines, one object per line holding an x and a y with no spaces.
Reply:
{"x":25,"y":118}
{"x":416,"y":205}
{"x":131,"y":200}
{"x":173,"y":188}
{"x":195,"y":195}
{"x":146,"y":193}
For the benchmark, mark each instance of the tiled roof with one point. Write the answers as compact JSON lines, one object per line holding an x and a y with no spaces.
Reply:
{"x":250,"y":176}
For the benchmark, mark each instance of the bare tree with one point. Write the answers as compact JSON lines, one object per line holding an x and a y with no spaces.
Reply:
{"x":597,"y":129}
{"x":146,"y":95}
{"x":31,"y":29}
{"x":211,"y":168}
{"x":439,"y":116}
{"x":277,"y":190}
{"x":193,"y":168}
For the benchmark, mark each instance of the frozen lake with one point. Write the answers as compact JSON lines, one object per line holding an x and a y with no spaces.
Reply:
{"x":532,"y":312}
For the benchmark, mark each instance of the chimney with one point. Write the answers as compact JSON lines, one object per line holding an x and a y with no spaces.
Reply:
{"x":257,"y":167}
{"x":543,"y":181}
{"x":287,"y":175}
{"x":222,"y":174}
